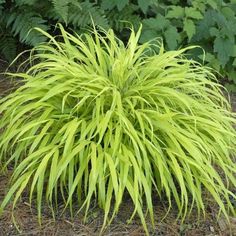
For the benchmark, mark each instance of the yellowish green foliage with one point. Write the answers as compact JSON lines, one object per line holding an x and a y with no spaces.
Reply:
{"x":95,"y":119}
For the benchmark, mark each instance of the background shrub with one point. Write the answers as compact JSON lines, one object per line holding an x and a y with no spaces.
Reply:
{"x":208,"y":23}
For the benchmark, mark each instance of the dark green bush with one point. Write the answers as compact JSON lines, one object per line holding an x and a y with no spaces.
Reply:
{"x":208,"y":23}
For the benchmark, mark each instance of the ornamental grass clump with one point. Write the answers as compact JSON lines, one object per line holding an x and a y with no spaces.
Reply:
{"x":96,"y":119}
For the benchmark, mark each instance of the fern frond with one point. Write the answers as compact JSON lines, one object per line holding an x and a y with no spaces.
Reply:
{"x":25,"y":2}
{"x":22,"y":25}
{"x":81,"y":17}
{"x":8,"y":46}
{"x":61,"y":8}
{"x":1,"y":2}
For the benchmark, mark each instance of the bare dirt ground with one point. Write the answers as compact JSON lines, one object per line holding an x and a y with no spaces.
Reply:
{"x":64,"y":225}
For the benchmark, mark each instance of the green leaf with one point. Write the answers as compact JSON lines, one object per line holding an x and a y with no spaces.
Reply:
{"x":162,"y":22}
{"x":203,"y":26}
{"x":121,"y":4}
{"x":189,"y":28}
{"x":232,"y":77}
{"x":175,"y":12}
{"x":191,"y":12}
{"x":228,"y":13}
{"x":159,"y":23}
{"x":234,"y":62}
{"x":214,"y":31}
{"x":148,"y":35}
{"x":212,"y":61}
{"x":212,"y":3}
{"x":172,"y":37}
{"x":144,"y":4}
{"x":231,"y":87}
{"x":110,"y":4}
{"x":198,"y":5}
{"x":224,"y":48}
{"x":150,"y":23}
{"x":234,"y":52}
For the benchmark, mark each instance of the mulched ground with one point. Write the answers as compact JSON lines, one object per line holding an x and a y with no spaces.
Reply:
{"x":63,"y":225}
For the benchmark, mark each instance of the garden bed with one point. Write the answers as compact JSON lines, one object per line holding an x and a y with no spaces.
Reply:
{"x":26,"y":218}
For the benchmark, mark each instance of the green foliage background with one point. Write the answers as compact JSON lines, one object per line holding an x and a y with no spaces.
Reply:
{"x":208,"y":23}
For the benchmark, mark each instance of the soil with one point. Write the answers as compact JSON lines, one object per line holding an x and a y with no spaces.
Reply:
{"x":63,"y":225}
